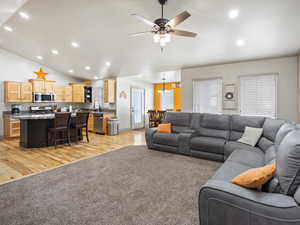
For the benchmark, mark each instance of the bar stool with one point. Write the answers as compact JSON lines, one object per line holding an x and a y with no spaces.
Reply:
{"x":82,"y":119}
{"x":152,"y":118}
{"x":61,"y":130}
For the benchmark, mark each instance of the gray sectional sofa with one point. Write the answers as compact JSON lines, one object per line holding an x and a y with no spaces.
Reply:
{"x":215,"y":137}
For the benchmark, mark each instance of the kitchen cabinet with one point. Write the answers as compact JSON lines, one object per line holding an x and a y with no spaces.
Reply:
{"x":17,"y":91}
{"x":91,"y":122}
{"x":42,"y":86}
{"x":68,"y":94}
{"x":59,"y":92}
{"x":109,"y":91}
{"x":63,"y":93}
{"x":11,"y":127}
{"x":78,"y":92}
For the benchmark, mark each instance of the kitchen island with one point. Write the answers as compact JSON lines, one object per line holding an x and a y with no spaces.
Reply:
{"x":34,"y":129}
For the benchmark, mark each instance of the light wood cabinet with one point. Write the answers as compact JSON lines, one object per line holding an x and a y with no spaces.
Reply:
{"x":91,"y":122}
{"x":42,"y":86}
{"x":11,"y":127}
{"x":109,"y":91}
{"x":63,"y":93}
{"x":68,"y":94}
{"x":59,"y":93}
{"x":17,"y":91}
{"x":78,"y":92}
{"x":49,"y":86}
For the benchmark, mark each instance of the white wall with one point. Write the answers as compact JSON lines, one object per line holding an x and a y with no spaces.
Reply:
{"x":123,"y":105}
{"x":287,"y":82}
{"x":16,"y":68}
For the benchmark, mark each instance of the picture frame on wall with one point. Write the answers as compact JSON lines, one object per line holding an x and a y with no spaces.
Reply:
{"x":230,"y":97}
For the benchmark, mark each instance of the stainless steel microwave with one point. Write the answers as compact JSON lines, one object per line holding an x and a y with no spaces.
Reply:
{"x":43,"y":97}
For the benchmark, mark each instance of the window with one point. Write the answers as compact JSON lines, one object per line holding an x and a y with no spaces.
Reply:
{"x":258,"y":95}
{"x":207,"y":96}
{"x":167,"y":100}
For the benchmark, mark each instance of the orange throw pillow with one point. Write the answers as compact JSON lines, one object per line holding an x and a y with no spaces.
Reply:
{"x":256,"y":177}
{"x":164,"y":128}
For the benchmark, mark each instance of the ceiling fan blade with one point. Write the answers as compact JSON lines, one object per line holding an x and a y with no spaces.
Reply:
{"x":140,"y":33}
{"x":178,"y":19}
{"x":144,"y":20}
{"x":183,"y":33}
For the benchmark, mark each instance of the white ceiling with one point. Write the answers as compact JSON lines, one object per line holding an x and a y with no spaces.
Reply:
{"x":8,"y":8}
{"x":101,"y":27}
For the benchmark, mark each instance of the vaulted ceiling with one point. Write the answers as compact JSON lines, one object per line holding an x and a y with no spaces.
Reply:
{"x":101,"y":27}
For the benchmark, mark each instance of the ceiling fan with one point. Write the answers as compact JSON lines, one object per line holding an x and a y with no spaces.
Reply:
{"x":163,"y":28}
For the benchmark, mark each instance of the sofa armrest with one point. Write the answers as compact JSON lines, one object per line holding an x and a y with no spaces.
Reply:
{"x":224,"y":203}
{"x":149,"y":136}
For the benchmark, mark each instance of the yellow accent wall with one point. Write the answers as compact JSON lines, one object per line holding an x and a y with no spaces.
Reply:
{"x":169,"y":86}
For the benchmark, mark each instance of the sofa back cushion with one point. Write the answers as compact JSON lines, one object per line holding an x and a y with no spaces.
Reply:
{"x":288,"y":163}
{"x":195,"y":120}
{"x":213,"y":125}
{"x":270,"y":130}
{"x":238,"y":124}
{"x":180,"y":121}
{"x":283,"y":131}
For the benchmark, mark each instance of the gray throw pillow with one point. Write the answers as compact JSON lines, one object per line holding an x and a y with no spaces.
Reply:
{"x":251,"y":136}
{"x":288,"y":163}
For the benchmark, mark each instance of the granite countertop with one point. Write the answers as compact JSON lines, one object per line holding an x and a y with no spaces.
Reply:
{"x":26,"y":115}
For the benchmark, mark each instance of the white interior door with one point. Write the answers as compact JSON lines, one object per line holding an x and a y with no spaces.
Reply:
{"x":137,"y":108}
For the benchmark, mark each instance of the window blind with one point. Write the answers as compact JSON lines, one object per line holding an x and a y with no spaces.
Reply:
{"x":207,"y":96}
{"x":258,"y":95}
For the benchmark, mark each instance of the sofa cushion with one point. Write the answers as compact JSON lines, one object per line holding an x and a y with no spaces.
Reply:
{"x":170,"y":139}
{"x":288,"y":163}
{"x":264,"y":144}
{"x":208,"y":144}
{"x":195,"y":120}
{"x":229,"y":170}
{"x":252,"y":158}
{"x":270,"y":155}
{"x":178,"y":119}
{"x":216,"y":122}
{"x":283,"y":131}
{"x":271,"y":128}
{"x":238,"y":124}
{"x":230,"y":146}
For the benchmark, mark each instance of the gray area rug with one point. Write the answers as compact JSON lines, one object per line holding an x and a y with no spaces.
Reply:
{"x":130,"y":186}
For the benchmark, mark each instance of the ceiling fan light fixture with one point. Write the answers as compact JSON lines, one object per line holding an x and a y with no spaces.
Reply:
{"x":168,"y":37}
{"x":156,"y":38}
{"x":162,"y":42}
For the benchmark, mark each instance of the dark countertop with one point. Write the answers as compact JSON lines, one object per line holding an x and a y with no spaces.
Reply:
{"x":26,"y":115}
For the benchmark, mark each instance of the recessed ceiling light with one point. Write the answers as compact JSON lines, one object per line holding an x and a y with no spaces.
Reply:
{"x":71,"y":71}
{"x":87,"y":68}
{"x":108,"y":64}
{"x":233,"y":14}
{"x":75,"y":44}
{"x":240,"y":43}
{"x":96,"y":78}
{"x":24,"y":15}
{"x":8,"y":28}
{"x":54,"y":52}
{"x":40,"y":57}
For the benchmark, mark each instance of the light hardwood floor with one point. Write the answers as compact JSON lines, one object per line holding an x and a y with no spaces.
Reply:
{"x":16,"y":162}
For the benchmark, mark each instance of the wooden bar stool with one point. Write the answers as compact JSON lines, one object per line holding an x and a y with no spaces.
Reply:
{"x":81,"y":122}
{"x":61,"y":130}
{"x":152,"y":118}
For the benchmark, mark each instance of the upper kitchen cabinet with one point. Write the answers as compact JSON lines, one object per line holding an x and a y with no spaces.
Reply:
{"x":109,"y":91}
{"x":17,"y":91}
{"x":78,"y":92}
{"x":42,"y":86}
{"x":63,"y":93}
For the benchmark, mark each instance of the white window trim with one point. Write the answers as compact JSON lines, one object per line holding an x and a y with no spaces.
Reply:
{"x":276,"y":75}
